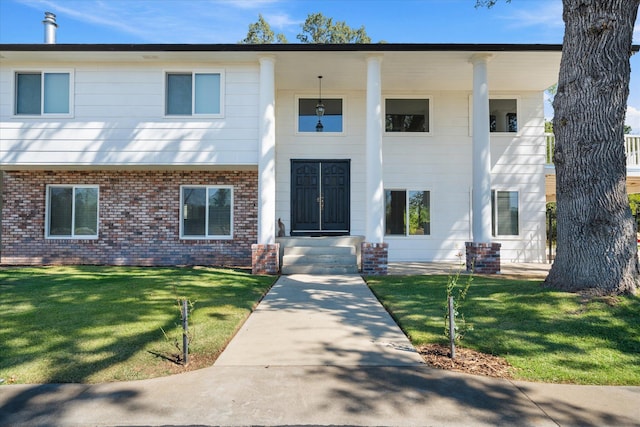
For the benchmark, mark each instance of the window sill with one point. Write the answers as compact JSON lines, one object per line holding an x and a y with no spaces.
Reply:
{"x":71,"y":237}
{"x":41,"y":116}
{"x":194,"y":116}
{"x":192,"y":238}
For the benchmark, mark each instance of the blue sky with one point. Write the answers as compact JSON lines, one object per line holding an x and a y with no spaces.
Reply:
{"x":227,"y":21}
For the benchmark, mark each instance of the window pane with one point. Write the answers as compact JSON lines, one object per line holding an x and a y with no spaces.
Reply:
{"x":419,"y":213}
{"x":395,"y":211}
{"x":179,"y":94}
{"x":507,"y":213}
{"x":219,"y":212}
{"x":407,"y":115}
{"x":56,"y":93}
{"x":86,"y":209}
{"x":28,"y":93}
{"x":193,"y":211}
{"x":60,"y":215}
{"x":331,"y":120}
{"x":503,"y":115}
{"x":207,"y":94}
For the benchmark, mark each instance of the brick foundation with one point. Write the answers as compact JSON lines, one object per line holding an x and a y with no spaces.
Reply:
{"x":139,"y":218}
{"x":265,"y":259}
{"x":375,"y":258}
{"x":483,"y":258}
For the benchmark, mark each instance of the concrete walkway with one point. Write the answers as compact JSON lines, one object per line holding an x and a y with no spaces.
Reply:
{"x":319,"y":350}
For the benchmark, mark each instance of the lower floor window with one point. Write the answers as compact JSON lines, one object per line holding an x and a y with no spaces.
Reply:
{"x":207,"y":212}
{"x":504,"y":213}
{"x":72,"y":211}
{"x":407,"y":212}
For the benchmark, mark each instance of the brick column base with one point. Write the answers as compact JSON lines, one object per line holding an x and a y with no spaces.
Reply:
{"x":483,"y":258}
{"x":265,"y":259}
{"x":375,"y":258}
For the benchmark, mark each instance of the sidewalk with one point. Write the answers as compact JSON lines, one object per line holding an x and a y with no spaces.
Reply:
{"x":319,"y":350}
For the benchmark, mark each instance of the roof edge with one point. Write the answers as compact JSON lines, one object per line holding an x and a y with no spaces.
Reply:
{"x":292,"y":47}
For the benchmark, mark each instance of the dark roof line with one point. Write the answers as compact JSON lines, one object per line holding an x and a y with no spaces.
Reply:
{"x":293,"y":47}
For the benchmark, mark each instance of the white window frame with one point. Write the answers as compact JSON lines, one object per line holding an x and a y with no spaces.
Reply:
{"x":193,"y":73}
{"x":42,"y":72}
{"x":73,"y":213}
{"x":407,"y":134}
{"x":498,"y":96}
{"x":319,"y":134}
{"x":206,"y":225}
{"x":505,"y":98}
{"x":408,"y":213}
{"x":495,"y":223}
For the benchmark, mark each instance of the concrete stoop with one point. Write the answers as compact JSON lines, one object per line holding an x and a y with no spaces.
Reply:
{"x":319,"y":260}
{"x":320,"y":255}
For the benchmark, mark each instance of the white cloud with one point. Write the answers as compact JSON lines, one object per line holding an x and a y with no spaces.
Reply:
{"x":539,"y":14}
{"x":633,"y":119}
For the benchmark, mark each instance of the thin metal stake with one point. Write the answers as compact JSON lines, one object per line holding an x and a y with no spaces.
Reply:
{"x":185,"y":331}
{"x":452,"y":329}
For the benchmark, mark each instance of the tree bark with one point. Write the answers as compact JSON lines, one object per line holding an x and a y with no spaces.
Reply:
{"x":597,"y":247}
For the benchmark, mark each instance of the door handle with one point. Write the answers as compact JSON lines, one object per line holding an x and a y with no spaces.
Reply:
{"x":320,"y":200}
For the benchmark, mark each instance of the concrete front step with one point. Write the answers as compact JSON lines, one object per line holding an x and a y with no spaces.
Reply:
{"x":319,"y":260}
{"x":327,"y":259}
{"x":319,"y":269}
{"x":320,"y":250}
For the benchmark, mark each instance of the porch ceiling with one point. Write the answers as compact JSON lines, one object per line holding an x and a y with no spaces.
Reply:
{"x":416,"y":71}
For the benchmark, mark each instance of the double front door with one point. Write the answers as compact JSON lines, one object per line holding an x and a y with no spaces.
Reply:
{"x":320,"y":197}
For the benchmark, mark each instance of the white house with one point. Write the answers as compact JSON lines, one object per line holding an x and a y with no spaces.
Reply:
{"x":192,"y":154}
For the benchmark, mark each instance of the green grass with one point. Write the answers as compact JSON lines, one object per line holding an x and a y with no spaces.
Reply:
{"x":545,"y":335}
{"x":96,"y":324}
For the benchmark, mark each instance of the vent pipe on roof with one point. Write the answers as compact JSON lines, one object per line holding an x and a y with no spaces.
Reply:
{"x":50,"y":28}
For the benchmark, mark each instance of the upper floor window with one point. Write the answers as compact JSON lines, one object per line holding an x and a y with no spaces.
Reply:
{"x":42,"y":93}
{"x":207,"y":212}
{"x":504,"y":212}
{"x":407,"y":115}
{"x":407,"y":213}
{"x":190,"y":94}
{"x":503,"y":115}
{"x":329,"y":121}
{"x":72,"y":211}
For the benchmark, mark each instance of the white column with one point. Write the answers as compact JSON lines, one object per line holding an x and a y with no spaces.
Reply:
{"x":267,"y":153}
{"x":481,"y":198}
{"x":375,"y":188}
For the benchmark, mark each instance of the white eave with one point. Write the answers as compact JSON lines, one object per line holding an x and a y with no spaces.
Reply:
{"x":405,"y":67}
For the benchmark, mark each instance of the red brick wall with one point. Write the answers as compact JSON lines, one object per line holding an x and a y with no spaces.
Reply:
{"x":265,"y":259}
{"x":139,"y":215}
{"x":483,"y":258}
{"x":375,"y":258}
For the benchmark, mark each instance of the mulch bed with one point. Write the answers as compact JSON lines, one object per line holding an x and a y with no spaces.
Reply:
{"x":467,"y":360}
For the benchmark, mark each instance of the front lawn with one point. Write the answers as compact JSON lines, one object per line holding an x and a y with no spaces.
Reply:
{"x":544,"y":334}
{"x":96,"y":324}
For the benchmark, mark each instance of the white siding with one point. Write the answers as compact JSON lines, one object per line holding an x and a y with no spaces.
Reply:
{"x":518,"y":165}
{"x":348,"y":145}
{"x":118,"y":119}
{"x":439,"y":162}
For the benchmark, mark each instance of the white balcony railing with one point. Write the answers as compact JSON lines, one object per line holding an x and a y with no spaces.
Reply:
{"x":631,"y":146}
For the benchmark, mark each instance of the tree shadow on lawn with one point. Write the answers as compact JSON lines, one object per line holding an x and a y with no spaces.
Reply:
{"x":519,"y":318}
{"x":79,"y":324}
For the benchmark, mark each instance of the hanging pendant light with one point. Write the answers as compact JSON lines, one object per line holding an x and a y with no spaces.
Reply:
{"x":319,"y":107}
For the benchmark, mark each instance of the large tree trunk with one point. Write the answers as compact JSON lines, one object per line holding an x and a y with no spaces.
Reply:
{"x":597,"y":248}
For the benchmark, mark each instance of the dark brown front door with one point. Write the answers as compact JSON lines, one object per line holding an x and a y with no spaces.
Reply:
{"x":320,"y":197}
